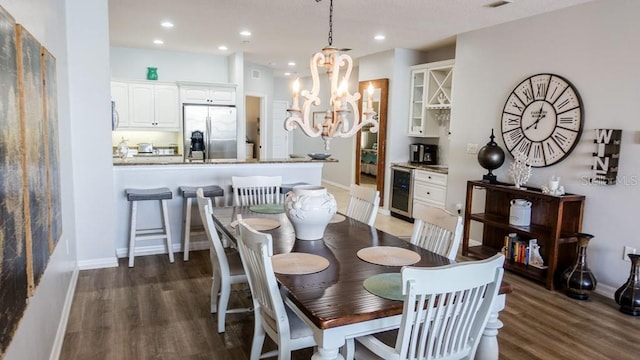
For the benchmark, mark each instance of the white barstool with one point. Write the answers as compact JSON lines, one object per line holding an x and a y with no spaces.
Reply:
{"x":188,"y":194}
{"x":135,"y":195}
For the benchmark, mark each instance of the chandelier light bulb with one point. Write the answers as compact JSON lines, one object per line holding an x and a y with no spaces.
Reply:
{"x":296,"y":91}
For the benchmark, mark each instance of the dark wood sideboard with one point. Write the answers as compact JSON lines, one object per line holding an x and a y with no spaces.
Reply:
{"x":554,"y":222}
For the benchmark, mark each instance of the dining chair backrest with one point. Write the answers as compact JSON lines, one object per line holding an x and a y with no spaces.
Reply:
{"x":445,"y":310}
{"x":256,"y":250}
{"x":436,"y":230}
{"x":363,"y":204}
{"x":456,"y":302}
{"x":219,"y":262}
{"x":256,"y":190}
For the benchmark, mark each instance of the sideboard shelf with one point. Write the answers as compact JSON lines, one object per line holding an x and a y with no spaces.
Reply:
{"x":554,"y":222}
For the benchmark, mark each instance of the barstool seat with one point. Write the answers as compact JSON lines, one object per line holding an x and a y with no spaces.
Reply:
{"x":189,"y":193}
{"x":135,"y":234}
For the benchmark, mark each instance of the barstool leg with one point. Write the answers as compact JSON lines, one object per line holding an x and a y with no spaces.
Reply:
{"x":132,"y":233}
{"x":165,"y":220}
{"x":186,"y":227}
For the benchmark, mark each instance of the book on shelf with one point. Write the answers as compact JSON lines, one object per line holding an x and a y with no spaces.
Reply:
{"x":522,"y":251}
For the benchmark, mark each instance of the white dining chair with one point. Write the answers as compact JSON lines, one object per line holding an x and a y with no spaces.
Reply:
{"x":272,"y":316}
{"x":363,"y":204}
{"x":226,"y":267}
{"x":445,"y":311}
{"x":436,"y":230}
{"x":255,"y":190}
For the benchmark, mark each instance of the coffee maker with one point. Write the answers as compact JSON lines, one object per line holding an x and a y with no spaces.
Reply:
{"x":430,"y":155}
{"x":423,"y":154}
{"x":197,"y":145}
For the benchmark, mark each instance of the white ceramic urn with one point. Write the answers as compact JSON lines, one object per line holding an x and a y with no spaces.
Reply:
{"x":309,"y":209}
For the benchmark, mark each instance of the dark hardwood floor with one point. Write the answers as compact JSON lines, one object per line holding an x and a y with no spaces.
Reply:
{"x":159,"y":310}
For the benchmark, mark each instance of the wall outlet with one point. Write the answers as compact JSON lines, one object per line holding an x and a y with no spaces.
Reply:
{"x":472,"y":148}
{"x":627,"y":250}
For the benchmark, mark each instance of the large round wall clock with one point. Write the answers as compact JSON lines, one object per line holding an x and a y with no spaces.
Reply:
{"x":543,"y":119}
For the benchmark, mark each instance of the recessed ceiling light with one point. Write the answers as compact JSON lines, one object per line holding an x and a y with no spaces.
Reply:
{"x":245,"y":33}
{"x":379,"y":37}
{"x":158,"y":42}
{"x":287,"y":74}
{"x":167,"y":24}
{"x":223,"y":48}
{"x":291,"y":63}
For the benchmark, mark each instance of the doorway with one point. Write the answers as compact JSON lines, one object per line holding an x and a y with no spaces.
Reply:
{"x":254,"y":123}
{"x":371,"y":146}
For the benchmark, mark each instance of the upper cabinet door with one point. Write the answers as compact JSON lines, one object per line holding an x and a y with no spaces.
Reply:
{"x":141,"y":105}
{"x":417,"y":105}
{"x":167,"y":110}
{"x":195,"y":94}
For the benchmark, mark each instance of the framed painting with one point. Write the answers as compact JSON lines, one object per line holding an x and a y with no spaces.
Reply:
{"x":52,"y":147}
{"x":33,"y":125}
{"x":13,"y":254}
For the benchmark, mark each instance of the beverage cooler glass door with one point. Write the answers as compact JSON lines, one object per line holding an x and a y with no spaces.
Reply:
{"x":401,"y":191}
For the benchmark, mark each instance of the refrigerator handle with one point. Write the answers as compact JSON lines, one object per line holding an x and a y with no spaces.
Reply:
{"x":208,"y":135}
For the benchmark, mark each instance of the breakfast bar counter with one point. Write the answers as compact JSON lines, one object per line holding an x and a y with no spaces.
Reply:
{"x":173,"y":175}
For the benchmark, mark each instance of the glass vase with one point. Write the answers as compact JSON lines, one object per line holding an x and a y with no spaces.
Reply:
{"x":628,"y":295}
{"x":152,"y":73}
{"x":578,"y":280}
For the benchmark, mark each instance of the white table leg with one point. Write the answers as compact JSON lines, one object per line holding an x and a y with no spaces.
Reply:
{"x":488,"y":347}
{"x":326,"y":354}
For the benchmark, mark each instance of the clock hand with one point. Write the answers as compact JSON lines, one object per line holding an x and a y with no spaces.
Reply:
{"x":535,"y":123}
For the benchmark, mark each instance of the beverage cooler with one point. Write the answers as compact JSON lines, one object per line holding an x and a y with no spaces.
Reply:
{"x":401,"y":193}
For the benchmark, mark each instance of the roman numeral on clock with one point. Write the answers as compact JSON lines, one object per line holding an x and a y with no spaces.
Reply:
{"x":541,"y":90}
{"x":524,"y":146}
{"x":560,"y":138}
{"x":515,"y":105}
{"x":563,"y":103}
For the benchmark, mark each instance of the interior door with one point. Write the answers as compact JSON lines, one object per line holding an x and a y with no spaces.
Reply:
{"x":280,"y":136}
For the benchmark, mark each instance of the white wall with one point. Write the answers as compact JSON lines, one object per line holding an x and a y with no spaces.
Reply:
{"x":592,"y":46}
{"x":130,"y":63}
{"x":75,"y":31}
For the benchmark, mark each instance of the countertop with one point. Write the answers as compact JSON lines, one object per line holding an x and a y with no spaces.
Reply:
{"x":159,"y":161}
{"x":442,"y":169}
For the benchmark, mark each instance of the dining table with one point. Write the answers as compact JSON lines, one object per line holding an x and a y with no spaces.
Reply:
{"x":334,"y":302}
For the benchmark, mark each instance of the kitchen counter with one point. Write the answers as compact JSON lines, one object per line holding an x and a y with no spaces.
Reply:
{"x":214,"y":172}
{"x":442,"y":169}
{"x":177,"y":160}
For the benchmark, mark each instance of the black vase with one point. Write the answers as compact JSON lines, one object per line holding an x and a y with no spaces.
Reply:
{"x":628,"y":295}
{"x":578,"y":280}
{"x":490,"y":157}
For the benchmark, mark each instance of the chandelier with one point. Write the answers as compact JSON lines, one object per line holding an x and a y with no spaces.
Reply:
{"x":343,"y":105}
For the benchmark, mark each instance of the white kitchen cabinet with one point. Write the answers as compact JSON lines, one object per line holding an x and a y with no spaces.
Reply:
{"x":431,"y":99}
{"x":209,"y":94}
{"x":429,"y":188}
{"x":154,"y":106}
{"x":120,"y":97}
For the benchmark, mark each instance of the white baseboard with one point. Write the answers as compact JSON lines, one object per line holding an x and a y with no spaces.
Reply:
{"x":64,"y":316}
{"x":335,"y":184}
{"x":161,"y":249}
{"x":605,"y":290}
{"x":98,"y":263}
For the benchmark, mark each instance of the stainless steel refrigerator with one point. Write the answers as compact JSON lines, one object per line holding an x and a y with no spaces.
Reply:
{"x":219,"y":127}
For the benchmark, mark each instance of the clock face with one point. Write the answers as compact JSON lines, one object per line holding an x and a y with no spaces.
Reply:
{"x":543,"y":119}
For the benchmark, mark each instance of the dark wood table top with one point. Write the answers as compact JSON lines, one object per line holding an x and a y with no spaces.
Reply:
{"x":334,"y":296}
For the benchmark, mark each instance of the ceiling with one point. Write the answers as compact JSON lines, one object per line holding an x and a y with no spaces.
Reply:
{"x":292,"y":30}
